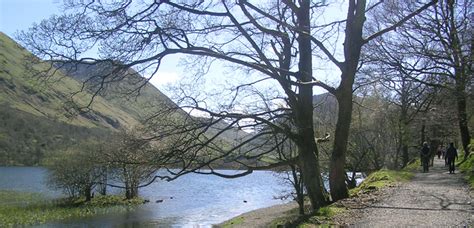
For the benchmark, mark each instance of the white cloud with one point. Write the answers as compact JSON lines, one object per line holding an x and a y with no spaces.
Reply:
{"x":163,"y":78}
{"x":196,"y":113}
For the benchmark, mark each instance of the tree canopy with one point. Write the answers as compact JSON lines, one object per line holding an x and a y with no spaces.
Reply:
{"x":276,"y":44}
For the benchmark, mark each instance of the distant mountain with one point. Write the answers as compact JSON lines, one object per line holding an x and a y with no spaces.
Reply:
{"x":51,"y":97}
{"x":120,"y":89}
{"x":125,"y":89}
{"x":39,"y":114}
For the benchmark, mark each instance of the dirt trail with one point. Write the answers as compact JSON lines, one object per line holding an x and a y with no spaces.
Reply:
{"x":434,"y":199}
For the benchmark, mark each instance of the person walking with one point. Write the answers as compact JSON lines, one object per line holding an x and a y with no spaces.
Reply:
{"x":451,"y":155}
{"x":440,"y":151}
{"x":425,"y":156}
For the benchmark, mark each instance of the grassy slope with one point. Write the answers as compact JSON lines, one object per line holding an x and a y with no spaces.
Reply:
{"x":121,"y":88}
{"x":36,"y":115}
{"x":48,"y":97}
{"x":467,"y":166}
{"x":39,"y":98}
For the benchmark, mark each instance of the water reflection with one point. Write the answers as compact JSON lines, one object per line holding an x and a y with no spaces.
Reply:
{"x":190,"y":201}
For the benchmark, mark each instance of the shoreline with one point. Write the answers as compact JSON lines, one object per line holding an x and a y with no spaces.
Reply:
{"x":260,"y":217}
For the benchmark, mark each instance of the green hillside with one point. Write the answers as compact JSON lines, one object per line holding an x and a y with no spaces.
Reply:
{"x":39,"y":114}
{"x":125,"y":89}
{"x":51,"y":97}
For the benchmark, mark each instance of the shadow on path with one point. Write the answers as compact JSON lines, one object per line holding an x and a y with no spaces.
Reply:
{"x":433,"y":199}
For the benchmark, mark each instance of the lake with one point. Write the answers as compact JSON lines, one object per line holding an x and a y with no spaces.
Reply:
{"x":190,"y":201}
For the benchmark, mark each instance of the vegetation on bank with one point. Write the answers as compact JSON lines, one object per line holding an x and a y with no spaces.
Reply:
{"x":20,"y":208}
{"x":325,"y":215}
{"x":467,"y":166}
{"x":233,"y":222}
{"x":380,"y":179}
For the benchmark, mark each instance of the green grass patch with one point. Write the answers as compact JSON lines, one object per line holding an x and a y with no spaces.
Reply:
{"x":380,"y":179}
{"x":322,"y":218}
{"x":17,"y":208}
{"x":413,"y":165}
{"x":467,"y":167}
{"x":233,"y":222}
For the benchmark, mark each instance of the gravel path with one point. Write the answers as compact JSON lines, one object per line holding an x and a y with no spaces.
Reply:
{"x":434,"y":199}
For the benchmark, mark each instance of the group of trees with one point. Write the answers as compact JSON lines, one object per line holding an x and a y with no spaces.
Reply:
{"x":410,"y":48}
{"x":425,"y":62}
{"x":90,"y":166}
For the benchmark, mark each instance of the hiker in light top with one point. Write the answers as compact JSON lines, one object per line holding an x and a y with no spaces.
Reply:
{"x":425,"y":156}
{"x":451,"y":155}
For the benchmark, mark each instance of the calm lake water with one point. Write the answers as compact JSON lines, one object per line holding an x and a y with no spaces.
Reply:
{"x":190,"y":201}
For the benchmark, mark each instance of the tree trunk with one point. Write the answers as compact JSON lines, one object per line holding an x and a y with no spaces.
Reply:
{"x":311,"y":172}
{"x":103,"y":180}
{"x":337,"y":175}
{"x":134,"y":192}
{"x":406,"y":157}
{"x":462,"y":121}
{"x":352,"y":46}
{"x":462,"y":75}
{"x":88,"y":193}
{"x":299,"y":189}
{"x":307,"y":148}
{"x":403,"y":132}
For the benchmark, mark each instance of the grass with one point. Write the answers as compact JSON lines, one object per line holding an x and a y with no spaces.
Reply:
{"x":413,"y":165}
{"x":46,"y":95}
{"x":233,"y":222}
{"x":322,"y":218}
{"x":380,"y":179}
{"x":18,"y":208}
{"x":467,"y":167}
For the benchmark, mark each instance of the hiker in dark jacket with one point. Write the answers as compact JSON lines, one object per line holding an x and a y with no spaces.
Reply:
{"x":451,"y":155}
{"x":425,"y":156}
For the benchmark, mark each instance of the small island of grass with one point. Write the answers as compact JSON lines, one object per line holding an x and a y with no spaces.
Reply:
{"x":21,"y":208}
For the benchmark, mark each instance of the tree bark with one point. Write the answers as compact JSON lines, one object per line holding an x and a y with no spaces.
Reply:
{"x":462,"y":120}
{"x":403,"y":136}
{"x":307,"y":148}
{"x":88,"y":193}
{"x":337,"y":178}
{"x":352,"y":47}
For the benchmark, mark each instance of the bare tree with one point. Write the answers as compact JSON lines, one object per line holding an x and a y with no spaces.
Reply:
{"x":131,"y":162}
{"x":273,"y":42}
{"x":436,"y":49}
{"x":386,"y":66}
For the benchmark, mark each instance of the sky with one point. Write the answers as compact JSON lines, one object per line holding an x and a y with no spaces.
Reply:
{"x":18,"y":15}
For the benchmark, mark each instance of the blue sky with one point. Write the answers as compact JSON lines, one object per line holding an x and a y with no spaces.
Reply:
{"x":18,"y":15}
{"x":21,"y":14}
